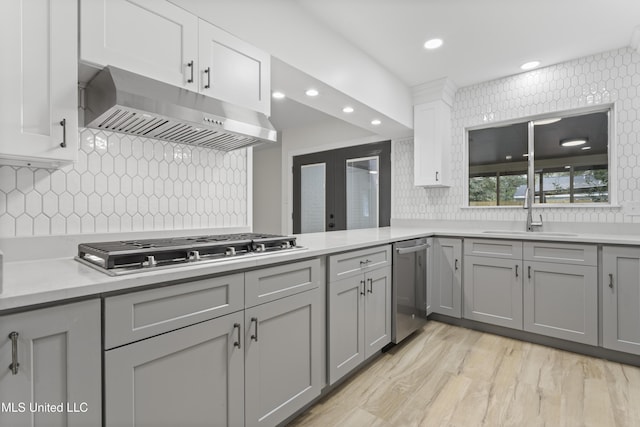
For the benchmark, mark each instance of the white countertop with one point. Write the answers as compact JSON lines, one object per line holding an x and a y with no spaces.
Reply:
{"x":28,"y":283}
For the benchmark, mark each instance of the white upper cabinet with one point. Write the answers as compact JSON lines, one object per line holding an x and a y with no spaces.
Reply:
{"x":232,"y":70}
{"x":432,"y":139}
{"x":160,"y":40}
{"x":153,"y":38}
{"x":38,"y":82}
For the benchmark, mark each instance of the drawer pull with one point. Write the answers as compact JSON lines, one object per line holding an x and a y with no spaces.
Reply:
{"x":237,"y":343}
{"x":13,"y":336}
{"x":611,"y":280}
{"x":255,"y":336}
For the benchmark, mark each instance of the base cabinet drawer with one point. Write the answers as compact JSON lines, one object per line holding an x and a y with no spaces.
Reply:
{"x":138,"y":315}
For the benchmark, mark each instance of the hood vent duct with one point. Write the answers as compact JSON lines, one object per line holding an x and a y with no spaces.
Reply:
{"x":121,"y":101}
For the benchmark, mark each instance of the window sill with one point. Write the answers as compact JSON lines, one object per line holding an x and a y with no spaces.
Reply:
{"x":549,"y":206}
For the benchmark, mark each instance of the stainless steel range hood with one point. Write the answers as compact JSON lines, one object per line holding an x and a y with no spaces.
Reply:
{"x":121,"y":101}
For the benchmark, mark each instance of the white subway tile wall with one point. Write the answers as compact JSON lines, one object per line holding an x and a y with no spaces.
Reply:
{"x":612,"y":76}
{"x":122,"y":183}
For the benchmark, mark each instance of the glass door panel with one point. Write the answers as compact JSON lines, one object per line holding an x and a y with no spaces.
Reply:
{"x":362,"y":192}
{"x":312,"y":197}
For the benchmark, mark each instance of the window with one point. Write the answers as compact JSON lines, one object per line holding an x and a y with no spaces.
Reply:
{"x":565,"y":159}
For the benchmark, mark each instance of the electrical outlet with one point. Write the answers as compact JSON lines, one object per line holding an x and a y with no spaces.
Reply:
{"x":631,"y":208}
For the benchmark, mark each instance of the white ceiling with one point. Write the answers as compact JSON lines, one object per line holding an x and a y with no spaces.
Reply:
{"x":483,"y":39}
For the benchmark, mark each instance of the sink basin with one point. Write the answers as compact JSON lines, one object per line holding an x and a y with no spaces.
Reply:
{"x":530,"y":233}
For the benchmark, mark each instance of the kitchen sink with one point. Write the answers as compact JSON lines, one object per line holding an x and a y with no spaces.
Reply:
{"x":537,"y":233}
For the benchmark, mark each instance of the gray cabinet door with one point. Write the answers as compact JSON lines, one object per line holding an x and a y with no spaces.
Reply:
{"x":561,"y":300}
{"x":621,"y":299}
{"x":493,"y":290}
{"x":377,"y":311}
{"x":189,"y":377}
{"x":58,"y":351}
{"x":346,"y":325}
{"x":446,"y":277}
{"x":282,"y":358}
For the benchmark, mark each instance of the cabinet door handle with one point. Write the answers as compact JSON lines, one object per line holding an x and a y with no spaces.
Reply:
{"x":455,"y":264}
{"x":208,"y":73}
{"x":516,"y":270}
{"x":13,"y":336}
{"x":436,"y":176}
{"x":63,"y":123}
{"x":255,"y":336}
{"x":611,"y":280}
{"x":362,"y":292}
{"x":190,"y":65}
{"x":237,"y":343}
{"x":370,"y":285}
{"x":529,"y":272}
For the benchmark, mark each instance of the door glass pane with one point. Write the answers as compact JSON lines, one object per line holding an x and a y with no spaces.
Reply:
{"x":362,"y":192}
{"x":312,"y":198}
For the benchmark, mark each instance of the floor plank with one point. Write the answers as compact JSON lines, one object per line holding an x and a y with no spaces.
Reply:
{"x":450,"y":376}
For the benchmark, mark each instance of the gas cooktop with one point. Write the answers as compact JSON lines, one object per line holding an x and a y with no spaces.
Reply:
{"x":131,"y":256}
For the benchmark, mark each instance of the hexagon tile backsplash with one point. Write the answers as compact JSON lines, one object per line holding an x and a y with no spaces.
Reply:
{"x":121,"y":183}
{"x":604,"y":78}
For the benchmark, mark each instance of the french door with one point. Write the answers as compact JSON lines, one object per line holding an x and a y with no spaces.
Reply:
{"x":342,"y":189}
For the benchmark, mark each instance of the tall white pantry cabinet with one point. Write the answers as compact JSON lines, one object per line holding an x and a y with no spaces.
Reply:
{"x":39,"y":82}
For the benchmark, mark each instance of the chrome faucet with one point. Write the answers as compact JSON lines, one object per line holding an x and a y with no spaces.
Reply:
{"x":528,"y":205}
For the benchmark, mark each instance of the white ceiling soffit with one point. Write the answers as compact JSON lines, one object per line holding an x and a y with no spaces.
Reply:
{"x":294,"y":83}
{"x":483,"y":40}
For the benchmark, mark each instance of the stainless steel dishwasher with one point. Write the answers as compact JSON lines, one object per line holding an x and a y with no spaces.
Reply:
{"x":409,"y":302}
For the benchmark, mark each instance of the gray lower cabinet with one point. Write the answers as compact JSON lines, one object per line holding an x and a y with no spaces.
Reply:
{"x":188,"y":377}
{"x":561,"y":300}
{"x":444,"y":283}
{"x":561,"y":291}
{"x":359,"y":320}
{"x":57,"y":362}
{"x":621,"y":298}
{"x":359,"y":310}
{"x":282,"y":357}
{"x":493,"y":290}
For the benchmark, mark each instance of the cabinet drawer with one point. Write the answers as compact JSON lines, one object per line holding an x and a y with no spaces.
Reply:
{"x":356,"y":262}
{"x":139,"y":315}
{"x":561,"y":253}
{"x":493,"y":248}
{"x":272,"y":283}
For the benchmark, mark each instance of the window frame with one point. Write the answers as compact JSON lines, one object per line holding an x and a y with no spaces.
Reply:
{"x":609,"y":108}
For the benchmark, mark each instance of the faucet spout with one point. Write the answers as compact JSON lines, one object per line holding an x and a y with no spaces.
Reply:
{"x":528,"y":205}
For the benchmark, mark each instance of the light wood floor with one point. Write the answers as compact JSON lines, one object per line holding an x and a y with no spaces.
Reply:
{"x":450,"y":376}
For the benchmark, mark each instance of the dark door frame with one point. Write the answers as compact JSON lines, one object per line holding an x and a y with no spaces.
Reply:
{"x":335,"y":183}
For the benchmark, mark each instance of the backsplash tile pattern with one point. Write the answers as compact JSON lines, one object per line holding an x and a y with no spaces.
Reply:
{"x":122,"y":183}
{"x":608,"y":77}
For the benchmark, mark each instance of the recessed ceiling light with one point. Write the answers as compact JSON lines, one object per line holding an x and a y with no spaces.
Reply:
{"x":508,"y":157}
{"x":572,"y":142}
{"x":586,"y":148}
{"x":312,"y":92}
{"x":347,"y":110}
{"x":530,"y":65}
{"x":277,"y":95}
{"x":375,"y":122}
{"x":433,"y":44}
